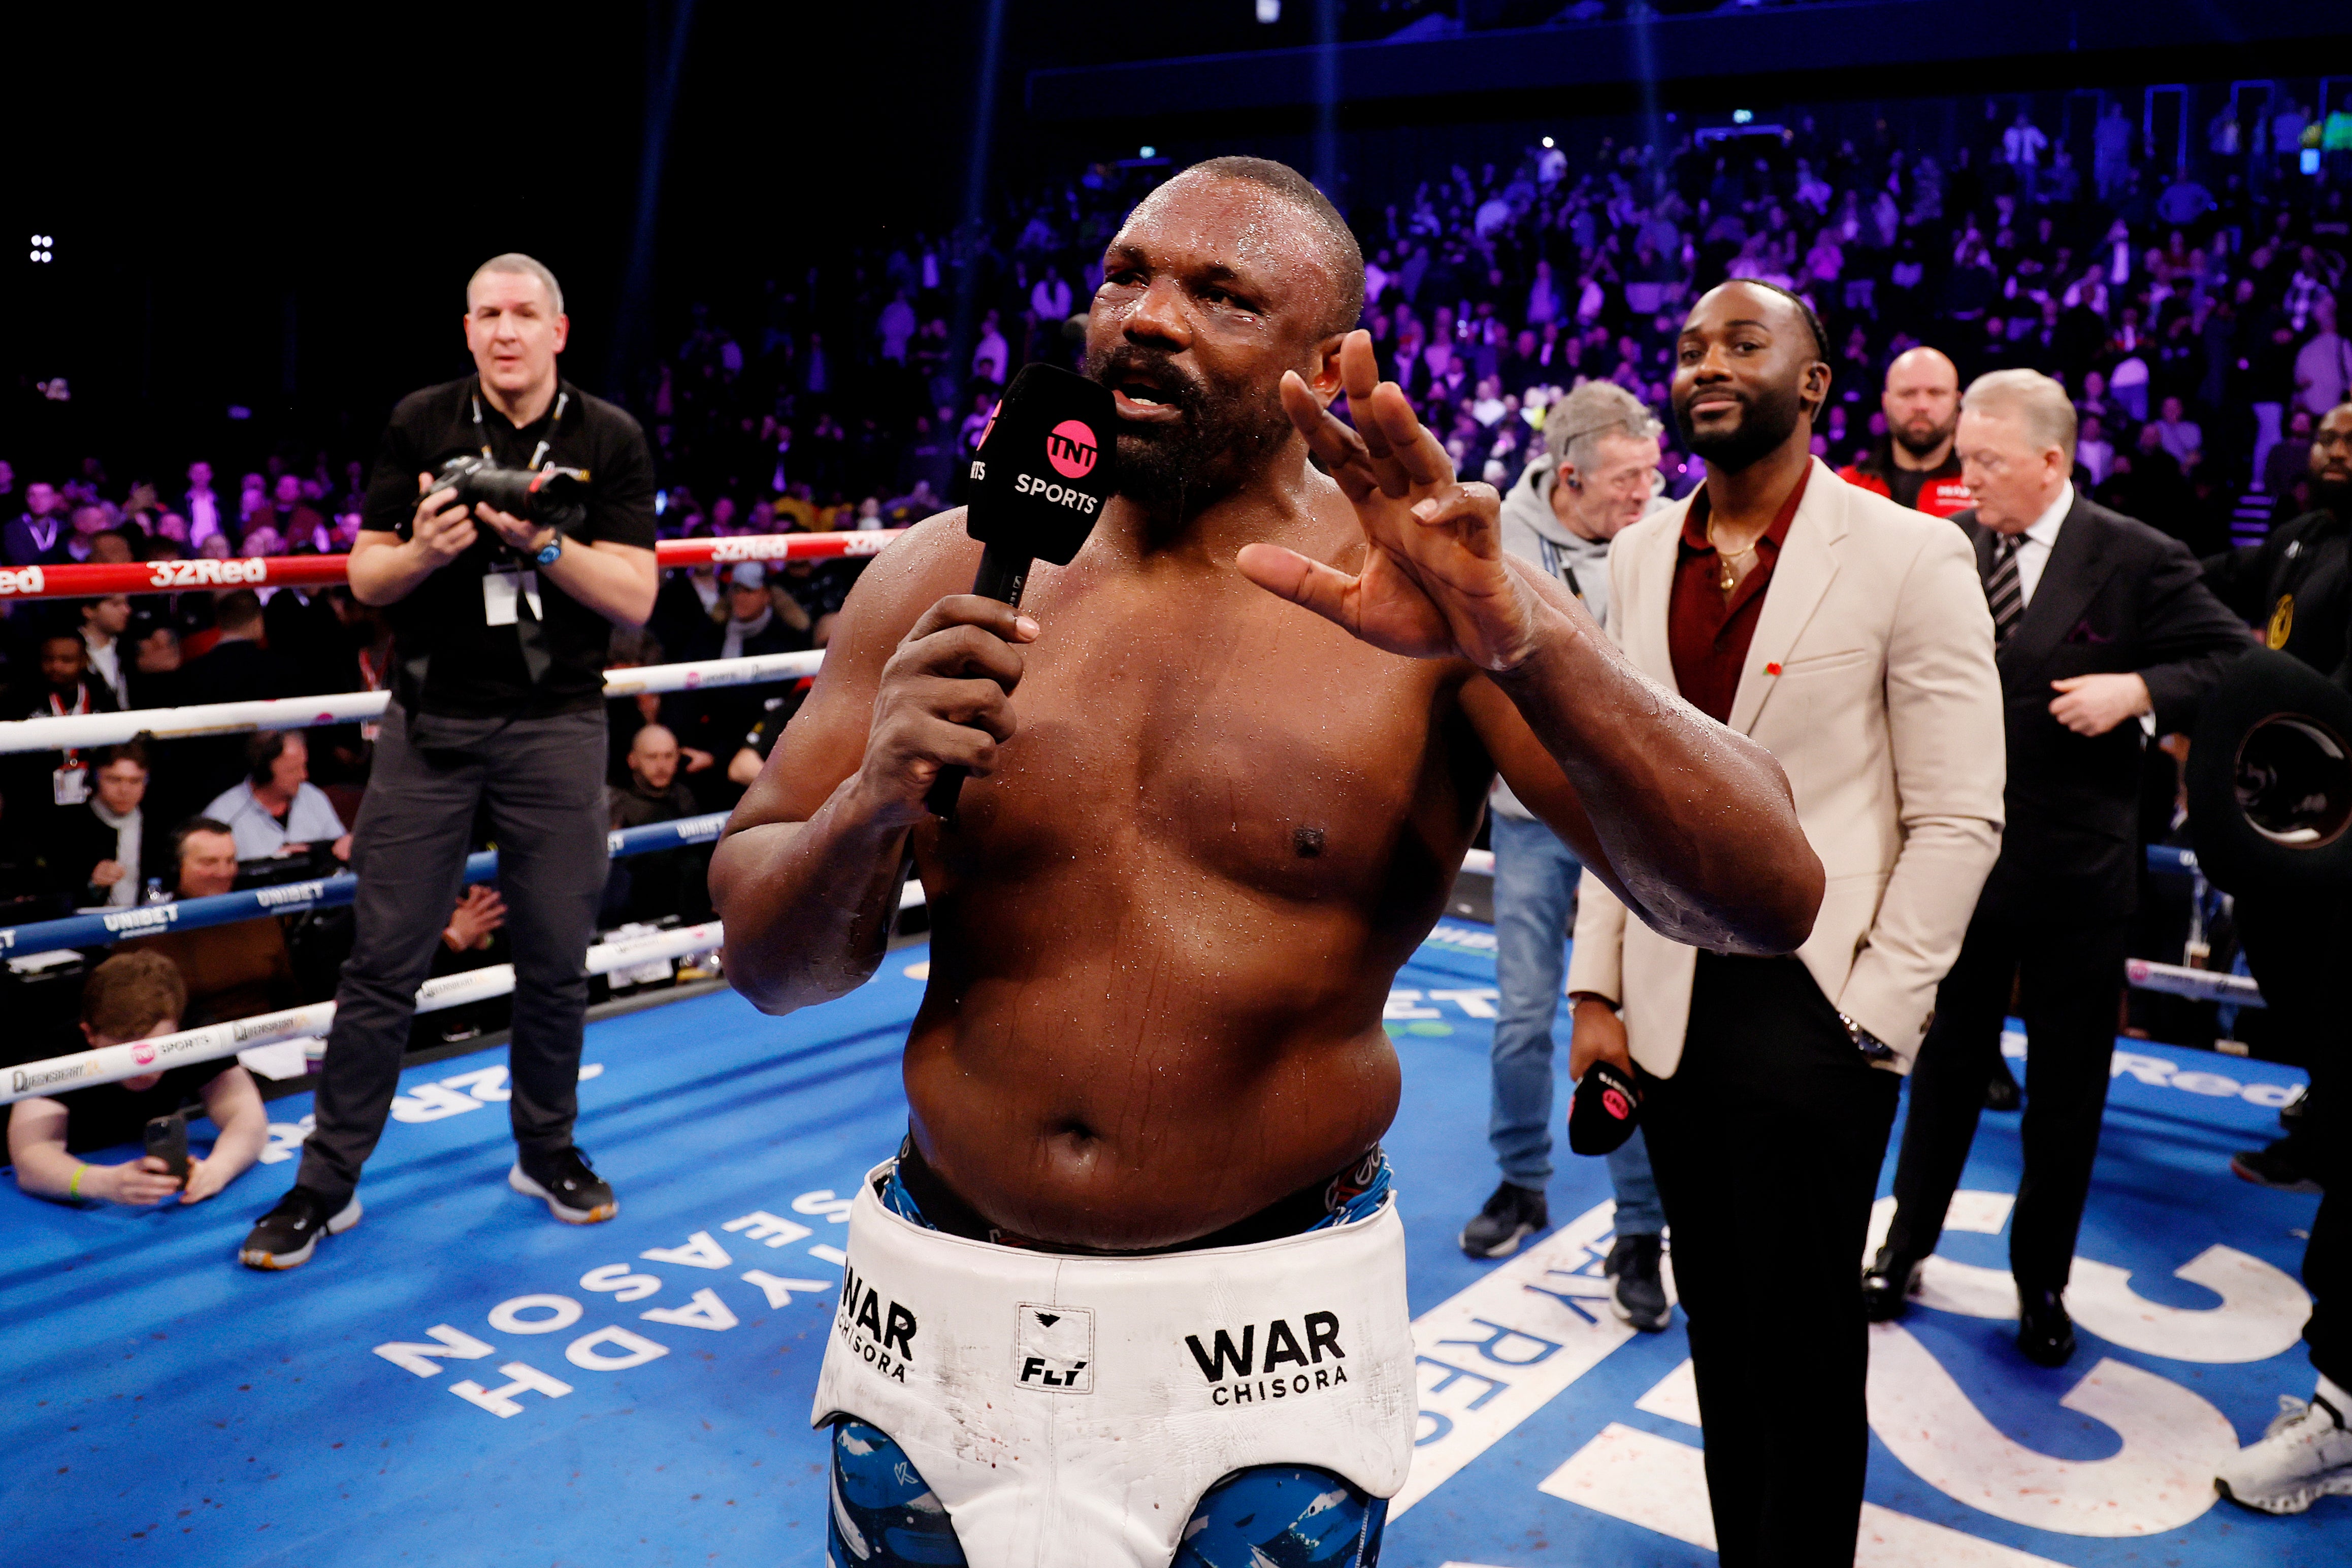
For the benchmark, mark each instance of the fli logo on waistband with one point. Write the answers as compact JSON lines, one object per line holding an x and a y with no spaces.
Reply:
{"x":1054,"y":1348}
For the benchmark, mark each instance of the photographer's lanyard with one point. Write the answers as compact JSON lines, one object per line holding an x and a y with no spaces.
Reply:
{"x":501,"y":589}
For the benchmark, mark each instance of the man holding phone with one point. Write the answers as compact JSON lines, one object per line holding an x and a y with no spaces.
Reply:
{"x":137,"y":996}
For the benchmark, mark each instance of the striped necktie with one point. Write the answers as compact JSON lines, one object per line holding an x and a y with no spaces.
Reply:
{"x":2003,"y":594}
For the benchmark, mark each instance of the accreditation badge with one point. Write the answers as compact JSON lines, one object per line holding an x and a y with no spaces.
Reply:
{"x":2282,"y":625}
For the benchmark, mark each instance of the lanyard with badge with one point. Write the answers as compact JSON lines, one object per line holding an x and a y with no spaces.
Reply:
{"x":70,"y":785}
{"x":503,"y":586}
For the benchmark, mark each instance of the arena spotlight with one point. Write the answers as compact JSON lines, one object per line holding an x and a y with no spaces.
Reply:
{"x":1743,"y":116}
{"x":1269,"y":11}
{"x":42,"y":248}
{"x":1147,"y":151}
{"x":1548,"y":142}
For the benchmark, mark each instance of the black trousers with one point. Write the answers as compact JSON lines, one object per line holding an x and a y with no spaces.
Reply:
{"x":1767,"y":1143}
{"x":543,"y":780}
{"x":2069,"y":974}
{"x":2298,"y":944}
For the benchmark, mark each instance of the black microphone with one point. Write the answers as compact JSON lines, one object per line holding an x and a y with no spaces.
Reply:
{"x":1043,"y":470}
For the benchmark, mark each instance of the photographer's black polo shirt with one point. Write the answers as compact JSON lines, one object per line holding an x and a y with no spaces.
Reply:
{"x":476,"y":669}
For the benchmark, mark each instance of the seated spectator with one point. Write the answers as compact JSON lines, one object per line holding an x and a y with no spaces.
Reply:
{"x":667,"y":881}
{"x":233,"y":971}
{"x":275,"y":810}
{"x":38,"y":785}
{"x":2179,"y":435}
{"x":757,"y":620}
{"x":103,"y":622}
{"x":238,"y":665}
{"x":776,"y":713}
{"x":101,"y":853}
{"x":136,"y":996}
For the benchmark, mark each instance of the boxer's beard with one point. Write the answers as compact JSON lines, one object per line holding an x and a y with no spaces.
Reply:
{"x":1224,"y":434}
{"x":1764,"y":422}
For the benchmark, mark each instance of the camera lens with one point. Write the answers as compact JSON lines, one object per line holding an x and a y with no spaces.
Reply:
{"x":2294,"y":781}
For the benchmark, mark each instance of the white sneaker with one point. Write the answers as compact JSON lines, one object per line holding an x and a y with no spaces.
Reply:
{"x":2304,"y":1455}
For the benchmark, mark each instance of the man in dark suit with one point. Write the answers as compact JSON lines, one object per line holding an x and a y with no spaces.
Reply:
{"x":2113,"y":617}
{"x":38,"y":538}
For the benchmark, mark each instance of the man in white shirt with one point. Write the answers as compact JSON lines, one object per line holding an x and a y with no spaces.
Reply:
{"x":276,"y":809}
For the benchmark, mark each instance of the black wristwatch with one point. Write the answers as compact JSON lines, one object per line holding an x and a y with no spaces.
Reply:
{"x":1872,"y":1047}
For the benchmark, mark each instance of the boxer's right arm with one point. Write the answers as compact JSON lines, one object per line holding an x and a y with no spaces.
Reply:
{"x":806,"y":877}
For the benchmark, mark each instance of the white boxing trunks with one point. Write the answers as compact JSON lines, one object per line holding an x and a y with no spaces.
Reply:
{"x":1069,"y":1411}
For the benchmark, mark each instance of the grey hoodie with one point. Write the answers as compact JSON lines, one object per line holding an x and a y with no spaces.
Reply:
{"x":1534,"y":533}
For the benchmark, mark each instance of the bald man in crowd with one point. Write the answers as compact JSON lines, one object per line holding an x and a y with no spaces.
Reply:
{"x":2098,"y":622}
{"x":1914,"y":464}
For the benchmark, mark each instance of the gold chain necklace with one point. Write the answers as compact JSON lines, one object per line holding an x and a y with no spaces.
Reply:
{"x":1726,"y":579}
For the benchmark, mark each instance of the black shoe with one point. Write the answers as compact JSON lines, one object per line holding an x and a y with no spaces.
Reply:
{"x":1639,"y":1296}
{"x":2279,"y":1166}
{"x":1888,"y":1285}
{"x":574,"y":1194}
{"x":288,"y":1234}
{"x":1514,"y":1213}
{"x":2045,"y":1334}
{"x":2002,"y":1092}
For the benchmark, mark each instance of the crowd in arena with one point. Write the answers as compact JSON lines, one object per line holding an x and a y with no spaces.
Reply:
{"x":2190,"y":312}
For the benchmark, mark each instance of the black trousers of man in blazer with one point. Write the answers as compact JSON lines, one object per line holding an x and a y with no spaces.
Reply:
{"x":2116,"y":596}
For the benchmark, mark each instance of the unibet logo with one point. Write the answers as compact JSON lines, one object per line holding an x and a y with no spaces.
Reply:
{"x":1070,"y":447}
{"x":874,"y":1327}
{"x":1237,"y":1378}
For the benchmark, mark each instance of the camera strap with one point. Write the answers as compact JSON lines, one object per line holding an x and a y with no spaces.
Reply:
{"x":539,"y":453}
{"x":501,"y":588}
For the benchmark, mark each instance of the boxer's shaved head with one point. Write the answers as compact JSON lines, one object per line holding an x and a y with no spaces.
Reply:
{"x":1230,"y":274}
{"x":1343,"y":258}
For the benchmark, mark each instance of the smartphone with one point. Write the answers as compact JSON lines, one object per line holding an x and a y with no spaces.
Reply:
{"x":167,"y":1140}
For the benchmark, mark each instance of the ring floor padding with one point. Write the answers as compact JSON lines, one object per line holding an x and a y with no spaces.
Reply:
{"x":164,"y":1405}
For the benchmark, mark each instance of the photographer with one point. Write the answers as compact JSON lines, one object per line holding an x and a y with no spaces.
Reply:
{"x":500,"y":625}
{"x":136,"y":996}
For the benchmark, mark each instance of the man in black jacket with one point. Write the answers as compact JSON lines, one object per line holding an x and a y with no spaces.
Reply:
{"x":2114,"y":618}
{"x":2297,"y":586}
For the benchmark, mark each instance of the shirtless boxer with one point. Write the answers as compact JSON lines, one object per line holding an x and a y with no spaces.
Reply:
{"x":1133,"y":1290}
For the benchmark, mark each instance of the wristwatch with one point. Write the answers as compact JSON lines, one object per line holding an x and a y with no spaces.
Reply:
{"x":547,"y":552}
{"x":1869,"y":1044}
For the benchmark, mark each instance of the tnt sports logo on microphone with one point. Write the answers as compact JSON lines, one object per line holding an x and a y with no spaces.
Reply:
{"x":1070,"y":447}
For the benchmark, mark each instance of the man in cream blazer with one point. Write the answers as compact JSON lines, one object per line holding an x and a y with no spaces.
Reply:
{"x":1849,"y":636}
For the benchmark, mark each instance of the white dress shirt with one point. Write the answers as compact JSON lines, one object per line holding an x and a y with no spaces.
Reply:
{"x":2033,"y":547}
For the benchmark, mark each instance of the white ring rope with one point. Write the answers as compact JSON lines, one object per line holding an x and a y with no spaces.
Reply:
{"x":111,"y":1063}
{"x":77,"y":731}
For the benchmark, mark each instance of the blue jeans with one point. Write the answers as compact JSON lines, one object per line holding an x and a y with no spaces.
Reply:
{"x":1535,"y":898}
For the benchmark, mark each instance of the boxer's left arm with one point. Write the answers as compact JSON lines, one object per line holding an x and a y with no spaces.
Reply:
{"x":1688,"y":821}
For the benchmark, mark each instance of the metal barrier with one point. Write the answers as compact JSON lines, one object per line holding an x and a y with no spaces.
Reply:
{"x":111,"y":1063}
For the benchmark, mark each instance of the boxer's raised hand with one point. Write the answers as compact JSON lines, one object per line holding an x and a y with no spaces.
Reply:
{"x":1435,"y":584}
{"x":946,"y":699}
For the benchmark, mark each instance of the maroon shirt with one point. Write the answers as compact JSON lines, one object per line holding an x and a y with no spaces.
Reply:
{"x":1707,"y":633}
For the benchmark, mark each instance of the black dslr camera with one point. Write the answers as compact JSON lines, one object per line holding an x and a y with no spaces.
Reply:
{"x":548,"y":495}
